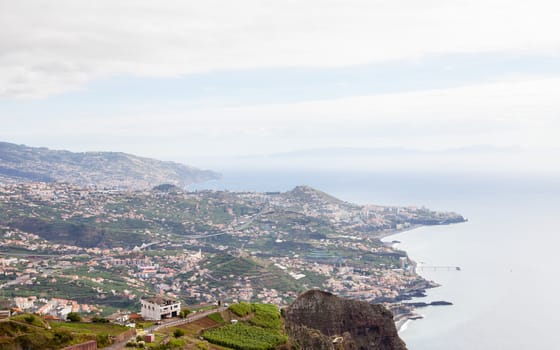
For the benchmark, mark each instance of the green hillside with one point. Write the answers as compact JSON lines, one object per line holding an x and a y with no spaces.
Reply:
{"x":32,"y":332}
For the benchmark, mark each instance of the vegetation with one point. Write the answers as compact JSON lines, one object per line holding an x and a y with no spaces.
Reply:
{"x":74,"y":317}
{"x":241,"y":309}
{"x":97,"y":319}
{"x":29,"y":318}
{"x":184,"y":312}
{"x":262,"y":331}
{"x":245,"y":337}
{"x":173,"y":344}
{"x":31,"y":332}
{"x":89,"y":328}
{"x":103,"y":340}
{"x":178,"y":333}
{"x":144,"y":324}
{"x":216,"y":317}
{"x":267,"y":316}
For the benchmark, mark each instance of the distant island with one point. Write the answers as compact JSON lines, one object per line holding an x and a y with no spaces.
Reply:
{"x":19,"y":163}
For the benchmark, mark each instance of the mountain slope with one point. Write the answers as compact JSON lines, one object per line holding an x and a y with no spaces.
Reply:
{"x":19,"y":163}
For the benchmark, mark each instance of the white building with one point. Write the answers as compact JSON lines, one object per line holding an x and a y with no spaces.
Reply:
{"x":159,"y":307}
{"x":118,"y":317}
{"x":63,"y":310}
{"x":25,"y":303}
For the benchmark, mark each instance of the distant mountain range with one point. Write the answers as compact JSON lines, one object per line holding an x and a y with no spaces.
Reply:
{"x":394,"y":151}
{"x":19,"y":163}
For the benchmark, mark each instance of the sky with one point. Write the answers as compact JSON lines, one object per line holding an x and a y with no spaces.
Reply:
{"x":394,"y":84}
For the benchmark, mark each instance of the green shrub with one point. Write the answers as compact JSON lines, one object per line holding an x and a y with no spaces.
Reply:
{"x":184,"y":312}
{"x":97,"y":319}
{"x":74,"y":317}
{"x":241,"y":309}
{"x":178,"y":333}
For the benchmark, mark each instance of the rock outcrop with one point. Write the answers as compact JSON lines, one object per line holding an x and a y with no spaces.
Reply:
{"x":322,"y":321}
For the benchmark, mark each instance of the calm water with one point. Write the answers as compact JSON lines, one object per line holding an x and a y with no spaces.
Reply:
{"x":506,"y":295}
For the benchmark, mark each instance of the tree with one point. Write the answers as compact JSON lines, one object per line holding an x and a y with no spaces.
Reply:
{"x":97,"y":319}
{"x":74,"y":317}
{"x":178,"y":333}
{"x":184,"y":312}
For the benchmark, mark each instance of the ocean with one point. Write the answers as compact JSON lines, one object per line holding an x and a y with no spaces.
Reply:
{"x":506,"y":294}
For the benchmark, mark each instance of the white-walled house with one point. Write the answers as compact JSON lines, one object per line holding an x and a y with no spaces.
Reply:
{"x":159,"y":307}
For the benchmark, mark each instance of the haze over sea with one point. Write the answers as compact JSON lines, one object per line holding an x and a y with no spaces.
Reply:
{"x":505,"y":296}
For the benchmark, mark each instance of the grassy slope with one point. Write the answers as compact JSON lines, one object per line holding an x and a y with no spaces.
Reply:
{"x":34,"y":333}
{"x":260,"y":329}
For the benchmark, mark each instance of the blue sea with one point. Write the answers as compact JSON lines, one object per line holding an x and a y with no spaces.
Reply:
{"x":506,"y":294}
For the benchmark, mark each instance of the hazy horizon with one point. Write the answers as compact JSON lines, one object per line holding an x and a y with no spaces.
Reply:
{"x":214,"y":84}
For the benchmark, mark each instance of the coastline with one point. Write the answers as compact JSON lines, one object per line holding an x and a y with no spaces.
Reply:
{"x":403,"y":317}
{"x":402,"y":325}
{"x":403,"y":313}
{"x":402,"y":321}
{"x":393,"y":232}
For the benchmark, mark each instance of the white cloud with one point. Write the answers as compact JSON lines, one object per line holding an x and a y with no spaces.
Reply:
{"x":509,"y":113}
{"x":518,"y":113}
{"x":48,"y":47}
{"x":513,"y":114}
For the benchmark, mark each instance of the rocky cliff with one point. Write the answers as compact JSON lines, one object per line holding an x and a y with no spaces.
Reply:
{"x":322,"y":321}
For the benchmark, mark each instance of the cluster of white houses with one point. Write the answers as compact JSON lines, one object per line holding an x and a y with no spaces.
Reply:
{"x":159,"y":307}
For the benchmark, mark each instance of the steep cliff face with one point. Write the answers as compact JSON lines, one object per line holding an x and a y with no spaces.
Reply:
{"x":319,"y":320}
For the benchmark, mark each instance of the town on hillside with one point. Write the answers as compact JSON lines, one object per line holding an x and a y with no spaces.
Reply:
{"x":96,"y":251}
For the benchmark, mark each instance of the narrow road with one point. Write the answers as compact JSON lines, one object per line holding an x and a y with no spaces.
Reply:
{"x":166,"y":324}
{"x":190,"y":318}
